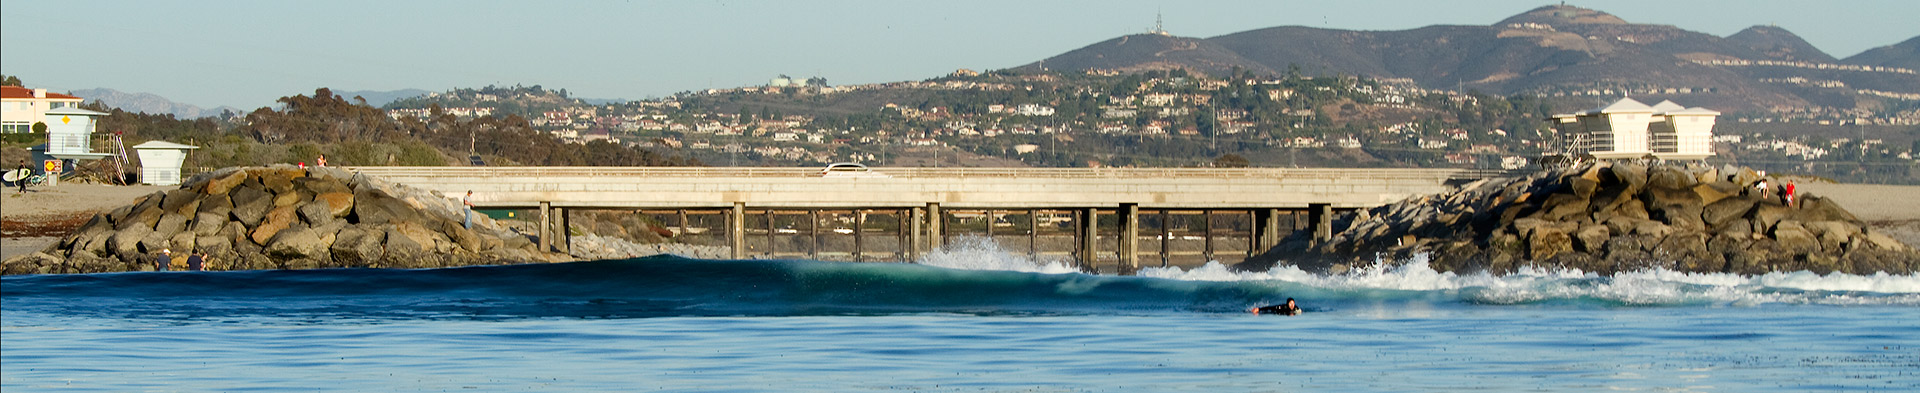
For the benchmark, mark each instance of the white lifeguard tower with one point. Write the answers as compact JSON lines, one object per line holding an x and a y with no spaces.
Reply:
{"x":1628,"y":129}
{"x":69,"y":139}
{"x":160,"y":162}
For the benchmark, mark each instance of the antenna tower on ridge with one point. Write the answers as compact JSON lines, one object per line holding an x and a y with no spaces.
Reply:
{"x":1157,"y":28}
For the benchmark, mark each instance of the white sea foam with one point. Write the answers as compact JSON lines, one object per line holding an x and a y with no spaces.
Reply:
{"x":1528,"y":285}
{"x":1650,"y":287}
{"x":980,"y":253}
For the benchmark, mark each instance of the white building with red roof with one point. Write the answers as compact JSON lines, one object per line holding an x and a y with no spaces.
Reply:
{"x":20,"y":107}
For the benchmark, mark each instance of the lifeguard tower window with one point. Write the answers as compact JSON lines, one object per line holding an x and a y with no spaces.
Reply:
{"x":476,"y":160}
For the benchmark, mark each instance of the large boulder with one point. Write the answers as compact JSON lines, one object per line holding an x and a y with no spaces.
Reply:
{"x":181,"y":201}
{"x":355,"y":247}
{"x":339,"y":203}
{"x":1795,"y":237}
{"x":1815,"y":208}
{"x":316,"y":213}
{"x":1727,"y":212}
{"x":144,"y":214}
{"x":404,"y":250}
{"x":297,"y":243}
{"x":1547,"y":241}
{"x":126,"y":243}
{"x":375,"y":207}
{"x":279,"y":219}
{"x":250,"y":205}
{"x":1592,"y":238}
{"x":220,"y":185}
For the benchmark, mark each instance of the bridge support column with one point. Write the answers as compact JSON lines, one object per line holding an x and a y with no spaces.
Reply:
{"x":813,"y":233}
{"x":1206,"y":230}
{"x":915,"y":223}
{"x":1033,"y":235}
{"x":1089,"y":237}
{"x":737,"y":230}
{"x":859,"y":233}
{"x":546,"y":226}
{"x":1129,"y":238}
{"x":1322,"y":222}
{"x":1166,"y":238}
{"x":1268,"y":220}
{"x":771,"y":245}
{"x":565,"y":236}
{"x":936,"y":227}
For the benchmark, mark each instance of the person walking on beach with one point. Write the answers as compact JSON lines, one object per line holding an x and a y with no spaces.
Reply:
{"x":196,"y":261}
{"x":468,"y":201}
{"x":25,"y":172}
{"x":162,"y":262}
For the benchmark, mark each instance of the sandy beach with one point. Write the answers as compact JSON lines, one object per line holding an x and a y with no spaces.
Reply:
{"x":29,"y":217}
{"x":37,"y":218}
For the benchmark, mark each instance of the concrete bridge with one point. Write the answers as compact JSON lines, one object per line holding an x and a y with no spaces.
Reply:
{"x":1206,"y":213}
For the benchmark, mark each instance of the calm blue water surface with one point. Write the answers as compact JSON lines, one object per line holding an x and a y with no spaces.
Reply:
{"x":671,"y":324}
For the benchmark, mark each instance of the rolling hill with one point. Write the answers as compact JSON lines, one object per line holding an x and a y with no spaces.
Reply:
{"x":1553,"y":50}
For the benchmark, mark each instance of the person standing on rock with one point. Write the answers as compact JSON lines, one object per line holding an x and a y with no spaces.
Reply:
{"x":196,"y":262}
{"x":321,"y":161}
{"x":468,"y":201}
{"x":1760,"y":187}
{"x":1786,"y":193}
{"x":165,"y":260}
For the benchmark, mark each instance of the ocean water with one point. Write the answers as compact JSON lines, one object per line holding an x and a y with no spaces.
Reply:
{"x":970,"y":318}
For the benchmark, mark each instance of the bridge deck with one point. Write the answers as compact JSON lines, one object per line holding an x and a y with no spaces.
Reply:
{"x":677,"y":187}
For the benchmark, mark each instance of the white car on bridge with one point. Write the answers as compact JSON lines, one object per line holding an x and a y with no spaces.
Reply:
{"x":849,"y":169}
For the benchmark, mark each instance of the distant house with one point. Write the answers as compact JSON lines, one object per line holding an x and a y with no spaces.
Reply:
{"x":1033,"y":110}
{"x":1157,"y":99}
{"x":20,"y":107}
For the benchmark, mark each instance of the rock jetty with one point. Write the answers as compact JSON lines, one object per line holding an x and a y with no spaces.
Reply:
{"x":283,"y":217}
{"x":1607,"y":217}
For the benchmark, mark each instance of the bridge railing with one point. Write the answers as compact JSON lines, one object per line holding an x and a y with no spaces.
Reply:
{"x":908,"y":172}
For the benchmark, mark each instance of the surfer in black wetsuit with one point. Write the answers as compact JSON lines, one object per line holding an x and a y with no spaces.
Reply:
{"x":1288,"y":309}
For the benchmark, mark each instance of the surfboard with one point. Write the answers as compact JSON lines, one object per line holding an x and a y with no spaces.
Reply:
{"x":16,"y":175}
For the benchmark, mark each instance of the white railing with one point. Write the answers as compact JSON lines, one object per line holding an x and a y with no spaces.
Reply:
{"x":906,"y":172}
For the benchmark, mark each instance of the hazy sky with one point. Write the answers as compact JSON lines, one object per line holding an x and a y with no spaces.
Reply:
{"x":248,"y":53}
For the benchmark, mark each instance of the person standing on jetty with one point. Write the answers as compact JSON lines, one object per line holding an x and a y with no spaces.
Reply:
{"x":165,"y":260}
{"x":1786,"y":193}
{"x":468,"y":201}
{"x":196,"y":261}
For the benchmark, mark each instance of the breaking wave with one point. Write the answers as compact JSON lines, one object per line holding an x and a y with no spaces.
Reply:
{"x":967,"y":278}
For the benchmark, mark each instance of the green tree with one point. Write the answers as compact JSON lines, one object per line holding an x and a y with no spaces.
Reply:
{"x":12,"y":81}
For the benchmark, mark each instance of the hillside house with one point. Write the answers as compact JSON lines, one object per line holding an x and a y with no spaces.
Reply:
{"x":1033,"y":110}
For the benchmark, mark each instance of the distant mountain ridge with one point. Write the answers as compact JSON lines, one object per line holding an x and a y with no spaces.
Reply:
{"x":1905,"y":54}
{"x":1547,"y":50}
{"x":150,"y":103}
